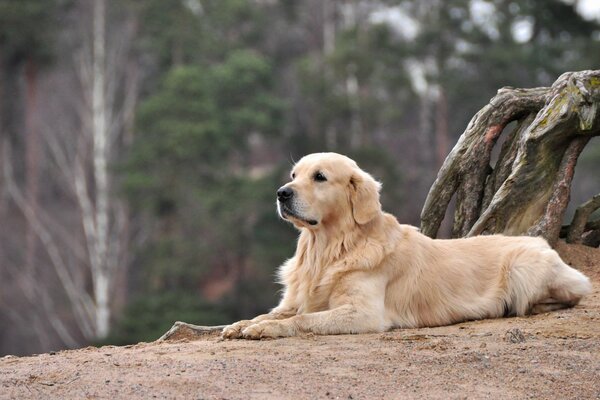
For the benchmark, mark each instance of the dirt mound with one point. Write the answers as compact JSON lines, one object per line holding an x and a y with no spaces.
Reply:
{"x":554,"y":355}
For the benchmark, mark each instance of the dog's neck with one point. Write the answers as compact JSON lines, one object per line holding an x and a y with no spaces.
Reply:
{"x":329,"y":243}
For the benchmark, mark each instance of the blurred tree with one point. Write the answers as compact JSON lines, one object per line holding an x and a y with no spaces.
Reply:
{"x":192,"y":167}
{"x":27,"y":32}
{"x":28,"y":28}
{"x":354,"y":93}
{"x":519,"y":43}
{"x":464,"y":51}
{"x":81,"y":272}
{"x":180,"y":32}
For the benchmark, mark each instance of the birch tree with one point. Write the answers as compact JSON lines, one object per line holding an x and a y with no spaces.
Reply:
{"x":85,"y":134}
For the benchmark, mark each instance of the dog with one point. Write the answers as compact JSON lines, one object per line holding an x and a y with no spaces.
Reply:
{"x":358,"y":270}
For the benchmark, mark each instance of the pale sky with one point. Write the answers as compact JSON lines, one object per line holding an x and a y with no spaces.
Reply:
{"x":483,"y":14}
{"x":589,"y":8}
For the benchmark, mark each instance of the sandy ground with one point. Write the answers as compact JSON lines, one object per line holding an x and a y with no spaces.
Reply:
{"x":548,"y":356}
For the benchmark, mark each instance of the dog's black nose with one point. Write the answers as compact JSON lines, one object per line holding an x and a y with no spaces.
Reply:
{"x":284,"y":193}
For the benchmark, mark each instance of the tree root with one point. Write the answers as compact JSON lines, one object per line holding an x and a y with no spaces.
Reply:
{"x":183,"y":330}
{"x":529,"y":187}
{"x":580,"y":223}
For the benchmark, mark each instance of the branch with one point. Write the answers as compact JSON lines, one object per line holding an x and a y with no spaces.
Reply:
{"x":59,"y":155}
{"x":79,"y":299}
{"x":580,"y":223}
{"x":87,"y":209}
{"x":182,"y":330}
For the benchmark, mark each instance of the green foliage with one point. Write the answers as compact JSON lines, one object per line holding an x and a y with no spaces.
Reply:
{"x":27,"y":28}
{"x":197,"y":121}
{"x":475,"y":57}
{"x":198,"y":31}
{"x":190,"y":169}
{"x":373,"y":57}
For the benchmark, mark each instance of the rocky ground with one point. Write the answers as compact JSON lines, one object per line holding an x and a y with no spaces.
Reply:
{"x":548,"y":356}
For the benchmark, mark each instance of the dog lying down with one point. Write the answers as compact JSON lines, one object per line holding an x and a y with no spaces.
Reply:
{"x":357,"y":270}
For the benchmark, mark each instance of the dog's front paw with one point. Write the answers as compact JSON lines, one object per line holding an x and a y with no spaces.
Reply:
{"x":234,"y":331}
{"x":267,"y":329}
{"x":258,"y":331}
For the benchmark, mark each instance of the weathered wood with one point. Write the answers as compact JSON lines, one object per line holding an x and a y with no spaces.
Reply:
{"x":505,"y":161}
{"x":465,"y":173}
{"x":580,"y":223}
{"x":589,"y":226}
{"x":550,"y":223}
{"x":592,"y":238}
{"x":529,"y":188}
{"x":183,"y":330}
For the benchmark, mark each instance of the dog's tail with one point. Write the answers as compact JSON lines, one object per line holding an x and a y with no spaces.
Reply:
{"x":570,"y":285}
{"x":545,"y":284}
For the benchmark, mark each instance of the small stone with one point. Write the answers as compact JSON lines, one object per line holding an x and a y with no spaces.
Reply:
{"x":514,"y":335}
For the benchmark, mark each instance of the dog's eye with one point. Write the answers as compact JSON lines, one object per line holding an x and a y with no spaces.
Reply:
{"x":319,"y":177}
{"x":293,"y":175}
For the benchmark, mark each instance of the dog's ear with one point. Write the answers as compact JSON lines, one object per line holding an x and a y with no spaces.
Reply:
{"x":364,"y":196}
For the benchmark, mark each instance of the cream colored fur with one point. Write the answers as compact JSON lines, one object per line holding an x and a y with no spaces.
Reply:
{"x":356,"y":269}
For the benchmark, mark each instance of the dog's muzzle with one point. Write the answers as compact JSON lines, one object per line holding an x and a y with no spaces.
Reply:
{"x":285,"y":205}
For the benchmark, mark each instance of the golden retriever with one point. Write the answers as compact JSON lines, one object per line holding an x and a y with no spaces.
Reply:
{"x":357,"y":270}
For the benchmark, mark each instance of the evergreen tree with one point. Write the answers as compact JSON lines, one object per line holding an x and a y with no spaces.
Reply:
{"x":192,"y":166}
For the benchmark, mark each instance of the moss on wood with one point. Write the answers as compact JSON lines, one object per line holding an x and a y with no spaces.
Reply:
{"x":530,"y":187}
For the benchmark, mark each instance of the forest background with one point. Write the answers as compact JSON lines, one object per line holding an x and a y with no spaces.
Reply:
{"x":142,"y":141}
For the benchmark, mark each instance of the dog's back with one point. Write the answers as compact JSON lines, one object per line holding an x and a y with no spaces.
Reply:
{"x":448,"y":281}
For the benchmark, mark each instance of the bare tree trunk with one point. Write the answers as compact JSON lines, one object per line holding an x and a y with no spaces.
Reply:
{"x":529,"y":188}
{"x":100,"y":273}
{"x":329,"y":10}
{"x":425,"y":127}
{"x":32,"y":158}
{"x":3,"y":138}
{"x":79,"y":300}
{"x":329,"y":13}
{"x":82,"y":144}
{"x":441,"y":127}
{"x":352,"y":92}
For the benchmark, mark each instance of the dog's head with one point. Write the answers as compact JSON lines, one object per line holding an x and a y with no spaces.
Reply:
{"x":328,"y":189}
